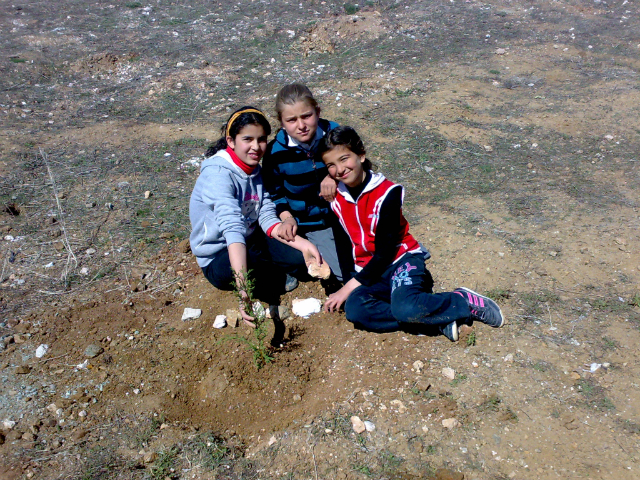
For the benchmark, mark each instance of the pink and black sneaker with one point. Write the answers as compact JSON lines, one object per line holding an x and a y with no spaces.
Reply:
{"x":483,"y":309}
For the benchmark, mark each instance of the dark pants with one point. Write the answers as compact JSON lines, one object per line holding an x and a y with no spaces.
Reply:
{"x":403,"y":299}
{"x":268,"y":261}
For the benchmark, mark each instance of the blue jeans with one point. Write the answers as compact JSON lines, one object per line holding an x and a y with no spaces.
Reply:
{"x":267,"y":259}
{"x":403,"y":299}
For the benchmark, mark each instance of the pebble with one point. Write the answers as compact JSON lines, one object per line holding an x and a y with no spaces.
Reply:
{"x":78,"y":434}
{"x":278,"y":311}
{"x":370,"y":426}
{"x":23,"y":370}
{"x":233,"y":317}
{"x":319,"y":271}
{"x":147,"y":194}
{"x":418,"y":366}
{"x":93,"y":350}
{"x":191,"y":313}
{"x":90,"y":251}
{"x":488,"y":148}
{"x":399,"y":405}
{"x":449,"y":373}
{"x":42,"y":350}
{"x":8,"y":424}
{"x":149,"y":457}
{"x":508,"y":358}
{"x":297,"y":398}
{"x":450,"y":423}
{"x":220,"y":321}
{"x":500,"y":51}
{"x":357,"y":424}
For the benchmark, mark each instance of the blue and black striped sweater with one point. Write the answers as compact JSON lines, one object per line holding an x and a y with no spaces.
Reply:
{"x":293,"y":176}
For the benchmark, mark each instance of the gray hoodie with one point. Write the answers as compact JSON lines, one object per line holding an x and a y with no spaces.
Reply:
{"x":226,"y":206}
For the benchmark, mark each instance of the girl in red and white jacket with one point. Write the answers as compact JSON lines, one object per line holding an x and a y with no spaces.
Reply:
{"x":392,"y":287}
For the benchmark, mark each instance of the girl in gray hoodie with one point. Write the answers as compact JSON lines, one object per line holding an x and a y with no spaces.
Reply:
{"x":229,"y":203}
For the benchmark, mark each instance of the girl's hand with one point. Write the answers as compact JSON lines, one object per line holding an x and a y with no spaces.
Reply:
{"x":244,"y":306}
{"x":288,"y":229}
{"x":311,"y":253}
{"x":336,"y":300}
{"x":328,"y":188}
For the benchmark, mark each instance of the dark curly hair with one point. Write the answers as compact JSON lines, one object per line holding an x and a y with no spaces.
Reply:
{"x":346,"y":137}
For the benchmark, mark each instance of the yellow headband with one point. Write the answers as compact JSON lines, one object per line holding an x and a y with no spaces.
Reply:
{"x":237,"y":114}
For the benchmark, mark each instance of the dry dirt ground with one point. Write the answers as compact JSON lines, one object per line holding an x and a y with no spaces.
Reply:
{"x":513,"y":126}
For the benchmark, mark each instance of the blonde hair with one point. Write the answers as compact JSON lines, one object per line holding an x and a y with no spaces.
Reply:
{"x":292,"y":94}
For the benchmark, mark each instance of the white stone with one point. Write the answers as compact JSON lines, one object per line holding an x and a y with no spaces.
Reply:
{"x":306,"y":307}
{"x":42,"y":350}
{"x":370,"y":426}
{"x":450,"y":423}
{"x":147,"y":194}
{"x":220,"y":321}
{"x":449,"y":373}
{"x":191,"y":313}
{"x":418,"y":365}
{"x":509,"y":358}
{"x":8,"y":424}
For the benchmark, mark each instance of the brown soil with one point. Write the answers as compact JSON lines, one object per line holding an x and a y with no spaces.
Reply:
{"x":513,"y":128}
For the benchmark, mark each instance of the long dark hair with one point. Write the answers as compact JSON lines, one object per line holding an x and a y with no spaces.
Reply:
{"x":346,"y":137}
{"x":239,"y":119}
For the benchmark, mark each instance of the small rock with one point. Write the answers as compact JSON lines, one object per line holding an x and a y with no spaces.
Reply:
{"x":233,"y":317}
{"x":488,"y":148}
{"x":418,"y":366}
{"x":90,"y":251}
{"x":280,"y":312}
{"x":49,"y":422}
{"x":297,"y":398}
{"x":29,"y":437}
{"x":52,"y":407}
{"x":306,"y":307}
{"x":42,"y":350}
{"x":184,"y":246}
{"x":145,"y":224}
{"x":319,"y":271}
{"x":220,"y":321}
{"x":78,"y":434}
{"x":23,"y":370}
{"x":357,"y":424}
{"x":500,"y":51}
{"x":449,"y":373}
{"x":191,"y":313}
{"x":508,"y":358}
{"x":272,"y":440}
{"x":149,"y":457}
{"x":450,"y":423}
{"x":147,"y":194}
{"x":93,"y":350}
{"x":8,"y":424}
{"x":399,"y":405}
{"x":19,"y":338}
{"x":59,"y":246}
{"x":370,"y":426}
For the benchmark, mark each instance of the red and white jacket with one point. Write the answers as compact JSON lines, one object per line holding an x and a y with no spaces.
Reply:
{"x":359,"y":218}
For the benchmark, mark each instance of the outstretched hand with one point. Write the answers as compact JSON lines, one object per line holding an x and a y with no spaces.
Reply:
{"x":335,"y":300}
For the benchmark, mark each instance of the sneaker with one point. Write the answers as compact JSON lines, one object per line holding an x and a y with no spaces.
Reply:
{"x":483,"y":309}
{"x":291,"y":283}
{"x":450,"y":331}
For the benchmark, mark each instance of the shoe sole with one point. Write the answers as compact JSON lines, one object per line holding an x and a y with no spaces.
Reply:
{"x":455,"y":333}
{"x":465,"y":289}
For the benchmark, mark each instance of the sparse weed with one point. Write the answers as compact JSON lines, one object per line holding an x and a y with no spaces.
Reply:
{"x":209,"y":450}
{"x":164,"y":466}
{"x":494,"y":72}
{"x":498,"y":294}
{"x":133,"y":4}
{"x":609,"y":343}
{"x":471,"y":339}
{"x":459,"y":379}
{"x":361,"y":468}
{"x":350,"y":8}
{"x":491,"y":404}
{"x":635,"y":301}
{"x":147,"y":433}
